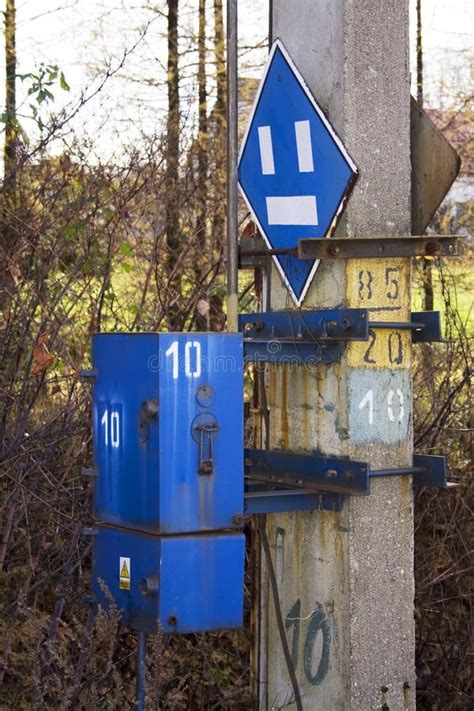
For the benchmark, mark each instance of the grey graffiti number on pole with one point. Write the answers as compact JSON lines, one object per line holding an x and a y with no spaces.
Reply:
{"x":317,"y":624}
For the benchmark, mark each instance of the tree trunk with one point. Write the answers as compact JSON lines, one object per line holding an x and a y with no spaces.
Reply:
{"x":8,"y":237}
{"x":428,"y":299}
{"x":219,"y":58}
{"x":219,"y":114}
{"x":172,"y":170}
{"x":202,"y":320}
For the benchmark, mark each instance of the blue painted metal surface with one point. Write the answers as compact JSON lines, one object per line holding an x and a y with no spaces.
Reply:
{"x":178,"y":584}
{"x":168,"y":430}
{"x":294,"y":172}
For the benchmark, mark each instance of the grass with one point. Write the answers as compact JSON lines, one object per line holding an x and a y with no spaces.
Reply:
{"x":455,"y":276}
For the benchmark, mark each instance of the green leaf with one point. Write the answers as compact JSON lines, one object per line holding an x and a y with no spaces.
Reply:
{"x":71,"y":230}
{"x":125,"y":249}
{"x":24,"y":135}
{"x":63,"y":83}
{"x":127,"y":267}
{"x":44,"y":95}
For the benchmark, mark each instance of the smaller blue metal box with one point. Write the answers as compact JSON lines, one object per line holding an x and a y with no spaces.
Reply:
{"x":168,"y":430}
{"x":174,"y":583}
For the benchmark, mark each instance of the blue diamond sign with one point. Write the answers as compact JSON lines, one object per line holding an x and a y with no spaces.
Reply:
{"x":294,"y":172}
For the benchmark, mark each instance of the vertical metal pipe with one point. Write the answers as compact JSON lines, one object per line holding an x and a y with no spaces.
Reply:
{"x":140,"y":671}
{"x":232,"y":157}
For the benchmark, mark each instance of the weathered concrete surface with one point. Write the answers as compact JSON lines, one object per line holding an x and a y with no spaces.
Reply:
{"x":346,"y":580}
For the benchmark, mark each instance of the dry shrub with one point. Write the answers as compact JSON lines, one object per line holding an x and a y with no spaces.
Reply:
{"x":444,"y":520}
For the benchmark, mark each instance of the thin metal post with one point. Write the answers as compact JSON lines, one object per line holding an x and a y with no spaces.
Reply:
{"x":232,"y":157}
{"x":140,"y":671}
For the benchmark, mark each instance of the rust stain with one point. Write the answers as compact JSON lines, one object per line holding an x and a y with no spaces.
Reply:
{"x":406,"y":487}
{"x":284,"y":409}
{"x":298,"y":551}
{"x":306,"y":413}
{"x":271,"y":386}
{"x":323,"y":521}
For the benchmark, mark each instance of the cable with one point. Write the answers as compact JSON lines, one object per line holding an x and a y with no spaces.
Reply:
{"x":279,"y":616}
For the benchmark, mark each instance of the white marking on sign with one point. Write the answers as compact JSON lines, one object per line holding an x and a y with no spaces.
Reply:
{"x":189,"y":371}
{"x":292,"y":210}
{"x":266,"y":150}
{"x":379,"y":405}
{"x":401,"y":400}
{"x":111,"y":423}
{"x":304,"y":146}
{"x":124,"y":573}
{"x":368,"y":400}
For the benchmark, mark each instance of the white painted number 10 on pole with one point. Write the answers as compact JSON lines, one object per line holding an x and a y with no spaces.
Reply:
{"x":395,"y":401}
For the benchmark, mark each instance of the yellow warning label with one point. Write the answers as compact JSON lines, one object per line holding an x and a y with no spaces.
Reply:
{"x":124,"y":573}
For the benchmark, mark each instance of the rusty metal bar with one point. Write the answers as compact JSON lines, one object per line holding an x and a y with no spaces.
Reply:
{"x":376,"y":247}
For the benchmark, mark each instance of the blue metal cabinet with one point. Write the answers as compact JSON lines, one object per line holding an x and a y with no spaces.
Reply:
{"x":174,"y":583}
{"x":168,"y":430}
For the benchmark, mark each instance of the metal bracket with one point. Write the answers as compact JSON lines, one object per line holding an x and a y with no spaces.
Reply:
{"x":85,"y":375}
{"x":318,"y":336}
{"x":260,"y":500}
{"x":306,"y":471}
{"x":279,"y":481}
{"x":254,"y":252}
{"x":424,"y":325}
{"x":301,"y":336}
{"x":427,"y":470}
{"x":89,"y":531}
{"x":376,"y":247}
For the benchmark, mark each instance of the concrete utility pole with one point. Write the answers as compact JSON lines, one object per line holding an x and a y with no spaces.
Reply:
{"x":346,"y":579}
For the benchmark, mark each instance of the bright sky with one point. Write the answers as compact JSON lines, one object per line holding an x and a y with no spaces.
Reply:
{"x":83,"y":36}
